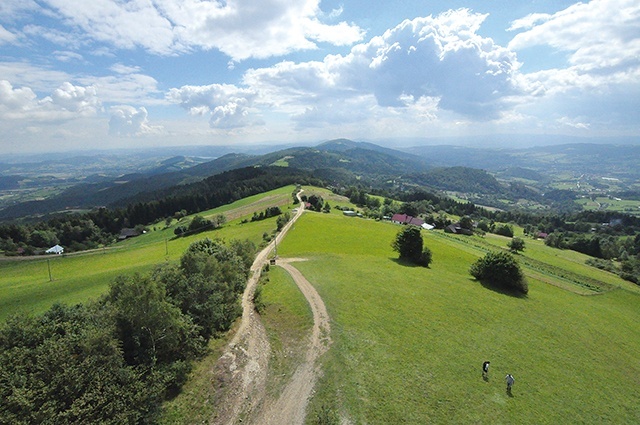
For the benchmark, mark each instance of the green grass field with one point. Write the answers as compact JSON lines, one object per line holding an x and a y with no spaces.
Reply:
{"x":409,"y":342}
{"x":25,"y":285}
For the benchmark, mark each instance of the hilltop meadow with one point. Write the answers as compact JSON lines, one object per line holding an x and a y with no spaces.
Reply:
{"x":408,"y":342}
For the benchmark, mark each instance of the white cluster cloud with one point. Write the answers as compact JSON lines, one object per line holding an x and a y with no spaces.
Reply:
{"x":66,"y":102}
{"x":82,"y":100}
{"x":426,"y":75}
{"x":441,"y":58}
{"x":239,"y":28}
{"x":421,"y":65}
{"x":129,"y":121}
{"x":228,"y":106}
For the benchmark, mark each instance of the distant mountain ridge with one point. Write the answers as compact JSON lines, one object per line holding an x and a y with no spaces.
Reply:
{"x":448,"y":168}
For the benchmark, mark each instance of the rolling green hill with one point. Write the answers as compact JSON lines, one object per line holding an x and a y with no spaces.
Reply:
{"x":25,"y":284}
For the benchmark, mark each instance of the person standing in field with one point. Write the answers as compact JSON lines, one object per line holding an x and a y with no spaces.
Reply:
{"x":485,"y":368}
{"x":510,"y":380}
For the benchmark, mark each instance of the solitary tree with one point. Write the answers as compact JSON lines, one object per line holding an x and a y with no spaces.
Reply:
{"x":516,"y":245}
{"x":500,"y":269}
{"x":408,"y":243}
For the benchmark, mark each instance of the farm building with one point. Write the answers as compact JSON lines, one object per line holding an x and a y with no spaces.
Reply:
{"x":457,"y":229}
{"x":349,"y":213}
{"x":407,"y":219}
{"x":128,"y":233}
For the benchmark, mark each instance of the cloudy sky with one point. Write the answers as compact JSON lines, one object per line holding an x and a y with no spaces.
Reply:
{"x":116,"y":73}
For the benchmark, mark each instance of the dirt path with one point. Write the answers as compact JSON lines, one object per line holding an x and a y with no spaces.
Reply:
{"x":241,"y":372}
{"x":290,"y":408}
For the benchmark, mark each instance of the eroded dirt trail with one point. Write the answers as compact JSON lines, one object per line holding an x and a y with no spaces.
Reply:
{"x":241,"y":372}
{"x":290,"y":408}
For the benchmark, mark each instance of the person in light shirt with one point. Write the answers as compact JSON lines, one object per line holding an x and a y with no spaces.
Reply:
{"x":510,"y":380}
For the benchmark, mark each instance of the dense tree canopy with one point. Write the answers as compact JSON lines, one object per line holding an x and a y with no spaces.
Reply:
{"x":115,"y":360}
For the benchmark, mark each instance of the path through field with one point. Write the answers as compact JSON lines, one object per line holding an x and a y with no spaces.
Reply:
{"x":242,"y":369}
{"x":290,"y":408}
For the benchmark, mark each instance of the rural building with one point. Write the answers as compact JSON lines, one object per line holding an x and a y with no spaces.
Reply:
{"x":349,"y":213}
{"x":456,"y":229}
{"x":407,"y":219}
{"x":57,"y":249}
{"x":128,"y":233}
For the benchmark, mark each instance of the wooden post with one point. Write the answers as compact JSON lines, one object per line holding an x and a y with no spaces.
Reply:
{"x":49,"y":267}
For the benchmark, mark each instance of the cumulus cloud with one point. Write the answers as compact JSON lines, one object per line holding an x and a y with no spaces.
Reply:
{"x":19,"y":99}
{"x":65,"y":103}
{"x":439,"y":57}
{"x":128,"y":121}
{"x":239,"y":28}
{"x":227,"y":106}
{"x":82,"y":100}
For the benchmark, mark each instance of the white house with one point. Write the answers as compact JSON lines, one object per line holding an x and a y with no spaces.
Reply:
{"x":55,"y":250}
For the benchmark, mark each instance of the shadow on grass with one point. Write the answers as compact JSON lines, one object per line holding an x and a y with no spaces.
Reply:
{"x":502,"y":290}
{"x":407,"y":263}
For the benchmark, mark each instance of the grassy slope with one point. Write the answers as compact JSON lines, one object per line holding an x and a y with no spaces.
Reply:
{"x":409,"y":342}
{"x":25,"y":285}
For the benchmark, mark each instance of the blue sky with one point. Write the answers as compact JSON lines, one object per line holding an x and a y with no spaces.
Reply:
{"x":115,"y":73}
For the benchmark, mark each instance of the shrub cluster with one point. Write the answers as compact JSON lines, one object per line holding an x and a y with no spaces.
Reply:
{"x":500,"y":269}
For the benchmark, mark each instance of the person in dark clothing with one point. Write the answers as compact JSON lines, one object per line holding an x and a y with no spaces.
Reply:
{"x":485,"y":368}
